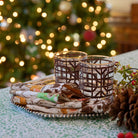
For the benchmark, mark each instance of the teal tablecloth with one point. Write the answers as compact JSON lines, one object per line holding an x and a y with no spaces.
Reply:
{"x":18,"y":123}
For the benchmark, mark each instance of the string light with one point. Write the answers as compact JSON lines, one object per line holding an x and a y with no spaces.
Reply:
{"x":8,"y":37}
{"x":93,"y":28}
{"x":76,"y":44}
{"x":108,"y":35}
{"x":39,"y":23}
{"x":12,"y":79}
{"x":98,"y":8}
{"x":79,"y":20}
{"x":76,"y":37}
{"x":113,"y":52}
{"x":103,"y":42}
{"x":51,"y":35}
{"x":84,"y":4}
{"x":59,"y":29}
{"x":43,"y":46}
{"x":57,"y":53}
{"x":9,"y":20}
{"x":102,"y":34}
{"x":16,"y":42}
{"x":95,"y":23}
{"x":67,"y":38}
{"x":30,"y":37}
{"x":3,"y":59}
{"x":47,"y":54}
{"x":51,"y":55}
{"x":35,"y":67}
{"x":15,"y":14}
{"x":39,"y":10}
{"x":37,"y":33}
{"x":16,"y":60}
{"x":87,"y":43}
{"x":49,"y":41}
{"x":40,"y":41}
{"x":21,"y":63}
{"x":17,"y":25}
{"x":65,"y":49}
{"x":1,"y":3}
{"x":36,"y":42}
{"x":1,"y":18}
{"x":99,"y":46}
{"x":63,"y":27}
{"x":87,"y":27}
{"x":49,"y":48}
{"x":44,"y":14}
{"x":48,"y":1}
{"x":59,"y":13}
{"x":11,"y":0}
{"x":91,"y":9}
{"x":0,"y":61}
{"x":32,"y":59}
{"x":22,"y":38}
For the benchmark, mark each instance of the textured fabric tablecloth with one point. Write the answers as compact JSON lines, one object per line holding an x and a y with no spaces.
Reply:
{"x":18,"y":123}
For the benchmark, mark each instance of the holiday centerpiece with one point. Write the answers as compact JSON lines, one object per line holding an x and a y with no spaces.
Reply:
{"x":83,"y":86}
{"x":65,"y":95}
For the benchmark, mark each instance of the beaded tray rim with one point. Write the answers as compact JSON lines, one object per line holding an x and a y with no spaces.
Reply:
{"x":46,"y":115}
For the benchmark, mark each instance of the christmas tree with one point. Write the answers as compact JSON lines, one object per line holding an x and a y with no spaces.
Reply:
{"x":32,"y":30}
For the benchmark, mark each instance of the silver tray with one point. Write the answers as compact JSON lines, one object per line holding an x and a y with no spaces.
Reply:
{"x":46,"y":115}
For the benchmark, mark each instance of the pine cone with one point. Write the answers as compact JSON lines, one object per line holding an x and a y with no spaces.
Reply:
{"x":131,"y":115}
{"x":125,"y":109}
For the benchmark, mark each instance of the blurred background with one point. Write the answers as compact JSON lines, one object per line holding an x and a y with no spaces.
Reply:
{"x":31,"y":31}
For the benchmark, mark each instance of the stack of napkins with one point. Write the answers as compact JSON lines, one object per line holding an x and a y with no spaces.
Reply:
{"x":57,"y":98}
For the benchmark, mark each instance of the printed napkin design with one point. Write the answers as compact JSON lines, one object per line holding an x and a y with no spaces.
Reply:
{"x":48,"y":97}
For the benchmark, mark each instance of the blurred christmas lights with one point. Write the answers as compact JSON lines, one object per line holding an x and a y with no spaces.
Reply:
{"x":93,"y":28}
{"x":103,"y":42}
{"x":51,"y":35}
{"x":102,"y":34}
{"x":43,"y":46}
{"x":67,"y":38}
{"x":44,"y":14}
{"x":49,"y":48}
{"x":84,"y":4}
{"x":49,"y":41}
{"x":99,"y":46}
{"x":108,"y":35}
{"x":73,"y":37}
{"x":76,"y":44}
{"x":91,"y":9}
{"x":79,"y":20}
{"x":113,"y":52}
{"x":39,"y":10}
{"x":12,"y":79}
{"x":15,"y":14}
{"x":8,"y":37}
{"x":9,"y":20}
{"x":65,"y":49}
{"x":1,"y":2}
{"x":51,"y":55}
{"x":21,"y":63}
